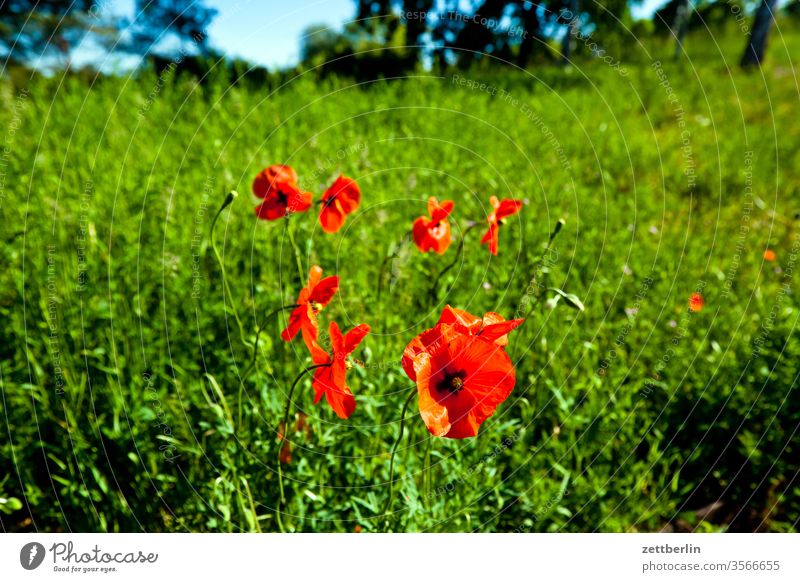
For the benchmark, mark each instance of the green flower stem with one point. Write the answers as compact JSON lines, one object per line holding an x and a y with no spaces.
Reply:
{"x":246,"y":373}
{"x":459,"y":252}
{"x":388,"y":503}
{"x":296,"y":250}
{"x":386,"y":260}
{"x":225,"y":285}
{"x":282,"y":498}
{"x":426,"y":476}
{"x":540,"y":260}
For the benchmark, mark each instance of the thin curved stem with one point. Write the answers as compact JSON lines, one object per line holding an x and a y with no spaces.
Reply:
{"x":225,"y":285}
{"x":459,"y":252}
{"x":281,"y":498}
{"x":246,"y":373}
{"x":537,"y":265}
{"x":296,"y":250}
{"x":388,"y":503}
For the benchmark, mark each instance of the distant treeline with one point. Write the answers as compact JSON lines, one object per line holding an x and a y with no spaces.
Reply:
{"x":385,"y":38}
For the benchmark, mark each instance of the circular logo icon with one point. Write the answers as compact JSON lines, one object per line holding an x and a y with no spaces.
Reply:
{"x":31,"y":555}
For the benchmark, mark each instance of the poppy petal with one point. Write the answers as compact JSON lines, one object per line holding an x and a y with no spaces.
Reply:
{"x":498,"y":332}
{"x":271,"y":178}
{"x":441,"y":211}
{"x":454,"y":315}
{"x":507,"y":208}
{"x":295,"y":321}
{"x":428,"y":340}
{"x":434,"y":415}
{"x":420,"y":234}
{"x":337,"y":341}
{"x":345,"y":191}
{"x":331,"y":218}
{"x":341,"y":400}
{"x":271,"y":209}
{"x":491,"y":238}
{"x":297,"y":200}
{"x":325,"y":290}
{"x":321,"y":381}
{"x":354,"y":337}
{"x":490,"y":375}
{"x":309,"y":327}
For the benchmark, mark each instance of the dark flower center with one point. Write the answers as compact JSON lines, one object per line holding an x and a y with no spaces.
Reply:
{"x":330,"y":200}
{"x":452,"y":382}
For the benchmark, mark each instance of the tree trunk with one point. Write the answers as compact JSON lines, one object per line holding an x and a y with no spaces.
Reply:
{"x":754,"y":51}
{"x":531,"y":32}
{"x":680,"y":25}
{"x":572,"y":29}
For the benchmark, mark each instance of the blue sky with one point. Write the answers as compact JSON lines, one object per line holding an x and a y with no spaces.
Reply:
{"x":268,"y":32}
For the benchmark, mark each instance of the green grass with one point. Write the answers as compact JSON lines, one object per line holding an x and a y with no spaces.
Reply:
{"x":118,"y":351}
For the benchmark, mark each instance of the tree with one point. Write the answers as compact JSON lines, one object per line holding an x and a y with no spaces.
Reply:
{"x":680,"y":24}
{"x":318,"y":42}
{"x":167,"y":27}
{"x":757,"y":43}
{"x":532,"y":33}
{"x":31,"y":28}
{"x":571,"y":17}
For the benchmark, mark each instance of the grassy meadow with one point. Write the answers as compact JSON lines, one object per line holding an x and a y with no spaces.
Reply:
{"x":124,"y":400}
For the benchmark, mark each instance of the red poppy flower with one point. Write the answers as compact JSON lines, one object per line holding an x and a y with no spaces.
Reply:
{"x":269,"y":178}
{"x":342,"y":198}
{"x":330,"y":380}
{"x":769,"y":255}
{"x":696,"y":302}
{"x":501,"y":210}
{"x":311,"y":300}
{"x":492,"y":327}
{"x":461,"y":380}
{"x":277,"y":186}
{"x":433,"y":234}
